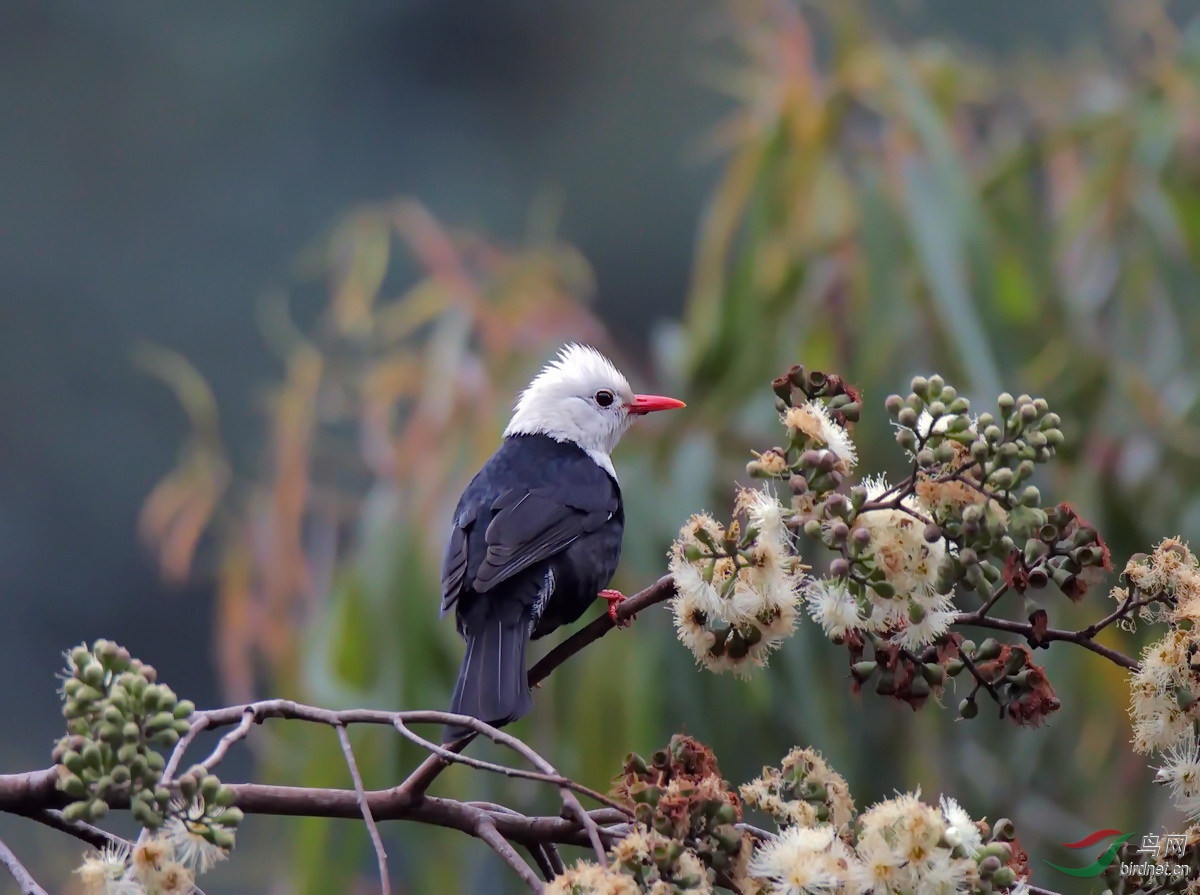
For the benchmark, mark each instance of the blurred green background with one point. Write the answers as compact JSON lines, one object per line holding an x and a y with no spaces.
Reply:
{"x":711,"y":191}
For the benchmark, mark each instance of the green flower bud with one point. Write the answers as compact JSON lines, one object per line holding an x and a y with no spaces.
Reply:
{"x":862,"y":671}
{"x":968,"y":708}
{"x":1004,"y":878}
{"x":166,"y":719}
{"x":92,"y":756}
{"x":919,"y":687}
{"x":893,"y":405}
{"x":93,"y":675}
{"x":885,"y":589}
{"x":907,"y":417}
{"x":225,"y":798}
{"x":109,"y":733}
{"x":143,"y":814}
{"x":223,"y":838}
{"x":988,"y":650}
{"x":77,"y":811}
{"x":1002,"y":478}
{"x":887,"y":684}
{"x":726,"y":814}
{"x":920,"y":387}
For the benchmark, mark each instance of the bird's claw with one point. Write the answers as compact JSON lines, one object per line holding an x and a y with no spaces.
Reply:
{"x":614,"y":597}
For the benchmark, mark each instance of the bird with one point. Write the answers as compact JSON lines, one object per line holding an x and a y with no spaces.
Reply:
{"x":536,"y":535}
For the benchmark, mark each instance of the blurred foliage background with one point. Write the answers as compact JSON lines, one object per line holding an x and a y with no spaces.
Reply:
{"x":880,"y":204}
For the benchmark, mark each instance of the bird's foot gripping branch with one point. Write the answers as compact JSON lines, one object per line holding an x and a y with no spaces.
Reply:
{"x":962,"y":543}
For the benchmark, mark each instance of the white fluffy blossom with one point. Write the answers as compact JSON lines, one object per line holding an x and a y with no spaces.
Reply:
{"x":1180,"y":772}
{"x":804,"y":861}
{"x":961,"y":831}
{"x":732,"y":613}
{"x":900,"y":849}
{"x":813,"y":421}
{"x":832,"y":606}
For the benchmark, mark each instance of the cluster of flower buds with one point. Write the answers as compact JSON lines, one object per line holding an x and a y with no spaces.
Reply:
{"x":679,"y":793}
{"x":206,"y":807}
{"x":897,"y":673}
{"x":1018,"y":685}
{"x":816,"y":409}
{"x":657,"y":863}
{"x":804,"y":790}
{"x":822,"y":845}
{"x":116,"y":715}
{"x":841,"y":396}
{"x":967,"y":518}
{"x":1065,"y":549}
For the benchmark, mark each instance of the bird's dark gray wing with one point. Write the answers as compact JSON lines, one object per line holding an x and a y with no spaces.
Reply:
{"x":533,"y":525}
{"x":454,"y":560}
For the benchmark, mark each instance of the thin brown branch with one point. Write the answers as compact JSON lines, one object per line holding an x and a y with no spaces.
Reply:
{"x":19,"y":873}
{"x":417,"y":783}
{"x":385,"y":884}
{"x":545,"y":868}
{"x":1128,"y":605}
{"x":447,"y":755}
{"x":660,"y":591}
{"x":566,"y":787}
{"x":249,"y":716}
{"x":486,"y":830}
{"x":981,"y":681}
{"x":199,"y":723}
{"x":33,"y":791}
{"x":84,"y":832}
{"x":992,"y":600}
{"x":973,"y":619}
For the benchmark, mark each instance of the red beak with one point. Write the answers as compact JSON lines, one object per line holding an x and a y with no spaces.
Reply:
{"x":649,"y":403}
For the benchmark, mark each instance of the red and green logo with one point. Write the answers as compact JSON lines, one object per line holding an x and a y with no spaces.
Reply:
{"x":1101,"y":863}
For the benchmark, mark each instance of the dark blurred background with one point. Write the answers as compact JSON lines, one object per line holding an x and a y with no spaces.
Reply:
{"x":165,"y":166}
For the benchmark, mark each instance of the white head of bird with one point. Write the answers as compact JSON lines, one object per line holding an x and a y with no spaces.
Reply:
{"x":581,"y":397}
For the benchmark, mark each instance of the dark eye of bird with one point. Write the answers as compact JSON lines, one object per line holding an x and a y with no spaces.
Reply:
{"x":604,"y":397}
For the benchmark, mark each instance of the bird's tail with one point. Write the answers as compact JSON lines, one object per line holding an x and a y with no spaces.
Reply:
{"x":493,"y":683}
